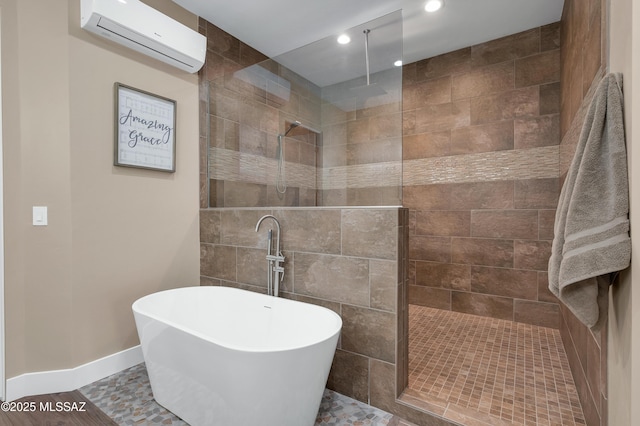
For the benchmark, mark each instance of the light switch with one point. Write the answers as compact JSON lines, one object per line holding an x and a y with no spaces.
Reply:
{"x":39,"y":215}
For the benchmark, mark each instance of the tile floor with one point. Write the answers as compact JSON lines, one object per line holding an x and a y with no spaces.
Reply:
{"x":472,"y":370}
{"x":126,"y":397}
{"x":496,"y":371}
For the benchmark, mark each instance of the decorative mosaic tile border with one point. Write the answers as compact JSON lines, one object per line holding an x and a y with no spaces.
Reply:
{"x":226,"y":164}
{"x":126,"y":397}
{"x":361,"y":176}
{"x":535,"y":163}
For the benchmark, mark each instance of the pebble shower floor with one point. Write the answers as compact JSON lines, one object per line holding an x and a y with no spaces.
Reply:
{"x":511,"y":372}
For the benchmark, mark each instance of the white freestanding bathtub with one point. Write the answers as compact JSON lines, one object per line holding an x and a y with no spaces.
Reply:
{"x":224,"y":356}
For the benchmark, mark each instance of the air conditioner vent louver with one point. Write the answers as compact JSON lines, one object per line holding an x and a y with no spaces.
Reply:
{"x":144,"y":29}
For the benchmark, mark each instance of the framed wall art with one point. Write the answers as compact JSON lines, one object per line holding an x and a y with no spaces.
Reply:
{"x":145,"y":127}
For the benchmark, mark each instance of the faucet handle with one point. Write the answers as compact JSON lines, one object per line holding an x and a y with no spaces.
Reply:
{"x":279,"y":258}
{"x":279,"y":270}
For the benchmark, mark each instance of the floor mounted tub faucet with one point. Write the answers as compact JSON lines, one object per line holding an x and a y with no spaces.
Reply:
{"x":275,"y":271}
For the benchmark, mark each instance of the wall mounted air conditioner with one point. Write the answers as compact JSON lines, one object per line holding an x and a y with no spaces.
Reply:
{"x":143,"y":28}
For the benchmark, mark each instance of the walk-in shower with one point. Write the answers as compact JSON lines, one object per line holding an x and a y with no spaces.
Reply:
{"x":478,"y":183}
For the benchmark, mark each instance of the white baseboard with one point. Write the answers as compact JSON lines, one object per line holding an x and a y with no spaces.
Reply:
{"x":71,"y":379}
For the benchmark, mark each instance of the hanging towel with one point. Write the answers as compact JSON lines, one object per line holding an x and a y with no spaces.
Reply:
{"x":592,"y":225}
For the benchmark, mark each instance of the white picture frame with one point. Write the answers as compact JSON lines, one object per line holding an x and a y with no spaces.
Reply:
{"x":145,"y":127}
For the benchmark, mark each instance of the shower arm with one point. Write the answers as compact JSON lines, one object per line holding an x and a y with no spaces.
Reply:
{"x":366,"y":51}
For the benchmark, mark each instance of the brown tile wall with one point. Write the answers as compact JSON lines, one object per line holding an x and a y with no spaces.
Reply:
{"x":481,"y":227}
{"x":360,"y":160}
{"x":242,"y":112}
{"x":583,"y":64}
{"x":356,"y":162}
{"x":350,"y":260}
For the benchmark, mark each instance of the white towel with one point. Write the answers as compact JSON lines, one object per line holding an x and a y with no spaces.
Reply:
{"x":592,"y":225}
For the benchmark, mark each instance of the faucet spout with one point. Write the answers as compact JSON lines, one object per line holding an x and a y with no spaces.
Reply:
{"x":275,"y":272}
{"x":268,"y":216}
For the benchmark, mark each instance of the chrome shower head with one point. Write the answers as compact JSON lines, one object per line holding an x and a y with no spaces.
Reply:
{"x":291,"y":127}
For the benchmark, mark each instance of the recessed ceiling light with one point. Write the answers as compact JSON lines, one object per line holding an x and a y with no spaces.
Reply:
{"x":398,"y":63}
{"x":433,"y":5}
{"x":344,"y":39}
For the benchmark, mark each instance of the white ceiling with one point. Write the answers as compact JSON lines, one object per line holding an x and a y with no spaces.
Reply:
{"x":275,"y":27}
